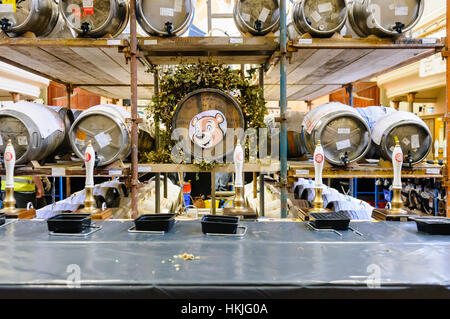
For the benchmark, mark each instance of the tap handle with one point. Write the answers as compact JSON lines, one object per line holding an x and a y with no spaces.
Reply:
{"x":89,"y":159}
{"x":10,"y":161}
{"x":319,"y":158}
{"x":238,"y":164}
{"x":397,"y":162}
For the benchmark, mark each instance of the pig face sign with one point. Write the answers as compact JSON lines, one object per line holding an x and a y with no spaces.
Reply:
{"x":207,"y":129}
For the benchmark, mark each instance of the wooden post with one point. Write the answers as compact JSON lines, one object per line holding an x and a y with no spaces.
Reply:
{"x":411,"y":97}
{"x":15,"y":96}
{"x":396,"y":105}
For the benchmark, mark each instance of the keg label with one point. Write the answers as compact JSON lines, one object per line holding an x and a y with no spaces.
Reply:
{"x":316,"y":16}
{"x":103,"y":139}
{"x":325,"y":7}
{"x":80,"y":135}
{"x":343,"y":144}
{"x":208,"y":128}
{"x":405,"y":141}
{"x":22,"y":140}
{"x":178,"y":6}
{"x":166,"y":12}
{"x":401,"y":11}
{"x":246,"y":17}
{"x":343,"y":130}
{"x":264,"y":14}
{"x":88,"y":7}
{"x":415,"y":142}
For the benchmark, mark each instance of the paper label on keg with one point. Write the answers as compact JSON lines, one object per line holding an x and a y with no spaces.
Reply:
{"x":316,"y":16}
{"x":325,"y":7}
{"x":415,"y":142}
{"x":178,"y":6}
{"x":80,"y":135}
{"x":405,"y":141}
{"x":343,"y":144}
{"x":7,"y":8}
{"x":246,"y":17}
{"x":103,"y":139}
{"x":58,"y":171}
{"x":88,"y":7}
{"x":343,"y":130}
{"x":433,"y":171}
{"x":401,"y":11}
{"x":166,"y":12}
{"x":22,"y":140}
{"x":264,"y":14}
{"x":334,"y":16}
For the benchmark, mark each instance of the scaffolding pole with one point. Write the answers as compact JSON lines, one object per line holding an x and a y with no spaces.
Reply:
{"x":283,"y":108}
{"x":134,"y":114}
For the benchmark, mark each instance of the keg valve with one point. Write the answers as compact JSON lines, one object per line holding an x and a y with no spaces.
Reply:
{"x":398,"y":27}
{"x":85,"y":27}
{"x":258,"y":25}
{"x":344,"y":159}
{"x":409,"y":158}
{"x":169,"y":27}
{"x":5,"y":24}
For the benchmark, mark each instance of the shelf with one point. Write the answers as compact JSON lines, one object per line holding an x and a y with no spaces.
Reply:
{"x":95,"y":65}
{"x":73,"y":169}
{"x":306,"y":170}
{"x":226,"y":50}
{"x":223,"y":168}
{"x":318,"y":67}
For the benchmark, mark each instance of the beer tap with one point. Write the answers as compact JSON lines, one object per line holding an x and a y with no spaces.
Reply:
{"x":319,"y":159}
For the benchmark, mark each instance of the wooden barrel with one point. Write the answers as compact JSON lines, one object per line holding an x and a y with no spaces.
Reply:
{"x":208,"y":118}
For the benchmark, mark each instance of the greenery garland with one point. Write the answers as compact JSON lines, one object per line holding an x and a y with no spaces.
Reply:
{"x":176,"y":82}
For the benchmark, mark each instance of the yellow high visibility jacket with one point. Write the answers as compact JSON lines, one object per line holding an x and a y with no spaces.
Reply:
{"x":21,"y":184}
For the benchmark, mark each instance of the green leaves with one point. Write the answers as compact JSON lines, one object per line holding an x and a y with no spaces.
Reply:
{"x":176,"y":82}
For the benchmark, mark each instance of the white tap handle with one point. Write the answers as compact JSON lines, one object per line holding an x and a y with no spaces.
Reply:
{"x":238,"y":164}
{"x":436,"y":149}
{"x":397,"y":162}
{"x":319,"y":158}
{"x":10,"y":161}
{"x":89,"y":160}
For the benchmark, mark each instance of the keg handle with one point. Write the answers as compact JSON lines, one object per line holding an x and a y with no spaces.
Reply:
{"x":258,"y":25}
{"x":85,"y":27}
{"x":398,"y":27}
{"x":5,"y":24}
{"x":169,"y":27}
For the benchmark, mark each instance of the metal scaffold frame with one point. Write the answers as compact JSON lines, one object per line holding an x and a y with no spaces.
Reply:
{"x":64,"y":61}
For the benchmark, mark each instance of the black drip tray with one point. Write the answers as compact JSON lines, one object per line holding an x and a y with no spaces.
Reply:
{"x":433,"y":225}
{"x":69,"y":223}
{"x":337,"y":221}
{"x":213,"y":224}
{"x":157,"y":222}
